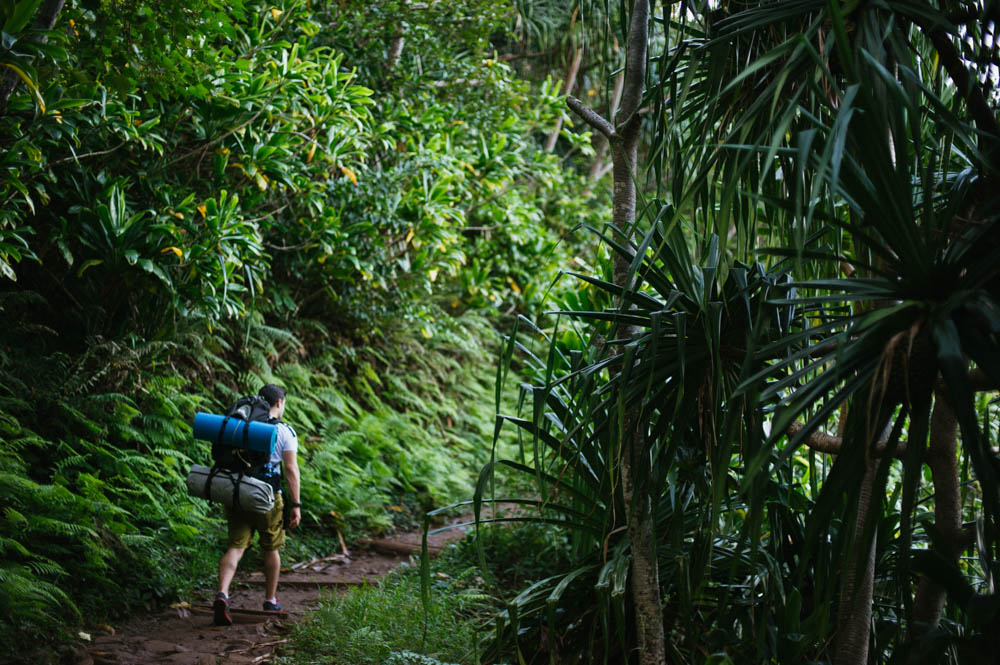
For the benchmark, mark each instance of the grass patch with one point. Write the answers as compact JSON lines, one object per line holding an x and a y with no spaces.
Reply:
{"x":385,"y":624}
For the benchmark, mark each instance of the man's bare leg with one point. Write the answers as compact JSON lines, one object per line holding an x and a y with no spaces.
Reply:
{"x":227,"y":568}
{"x":272,"y":568}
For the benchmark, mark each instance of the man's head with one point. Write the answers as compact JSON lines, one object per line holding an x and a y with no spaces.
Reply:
{"x":275,"y":396}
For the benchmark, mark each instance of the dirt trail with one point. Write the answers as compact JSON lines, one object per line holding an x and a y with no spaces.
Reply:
{"x":187,"y":636}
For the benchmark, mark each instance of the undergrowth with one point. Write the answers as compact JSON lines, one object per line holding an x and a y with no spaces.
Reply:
{"x":96,"y":447}
{"x":387,"y":624}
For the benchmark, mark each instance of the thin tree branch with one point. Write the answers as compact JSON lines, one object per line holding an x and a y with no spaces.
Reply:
{"x":818,"y":440}
{"x":823,"y":442}
{"x":301,"y":135}
{"x":271,"y":213}
{"x":592,"y":118}
{"x":75,"y":158}
{"x":203,"y":149}
{"x":287,"y":248}
{"x":72,"y":158}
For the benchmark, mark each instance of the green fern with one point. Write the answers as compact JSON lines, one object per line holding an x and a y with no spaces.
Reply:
{"x":13,"y":546}
{"x":36,"y":603}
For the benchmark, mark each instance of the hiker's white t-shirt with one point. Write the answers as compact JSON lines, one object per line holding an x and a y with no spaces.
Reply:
{"x":286,"y":440}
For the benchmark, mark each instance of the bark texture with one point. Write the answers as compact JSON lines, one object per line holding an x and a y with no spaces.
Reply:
{"x":645,"y":579}
{"x":854,"y":614}
{"x":942,"y":458}
{"x":395,"y":51}
{"x":829,"y":444}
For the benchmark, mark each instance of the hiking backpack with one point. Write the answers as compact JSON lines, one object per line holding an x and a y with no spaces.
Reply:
{"x":242,"y":460}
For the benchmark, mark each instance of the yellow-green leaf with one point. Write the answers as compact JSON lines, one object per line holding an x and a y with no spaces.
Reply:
{"x":28,"y":82}
{"x":350,"y":174}
{"x":88,"y":264}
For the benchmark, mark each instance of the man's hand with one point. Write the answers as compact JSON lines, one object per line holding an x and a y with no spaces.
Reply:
{"x":295,"y":517}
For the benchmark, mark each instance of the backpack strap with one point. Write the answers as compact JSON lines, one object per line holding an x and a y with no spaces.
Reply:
{"x":208,"y":480}
{"x":246,"y":435}
{"x":222,"y":429}
{"x":236,"y":491}
{"x":213,"y":472}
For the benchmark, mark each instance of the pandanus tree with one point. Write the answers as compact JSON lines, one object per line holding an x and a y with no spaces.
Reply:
{"x":868,"y":149}
{"x":854,"y":149}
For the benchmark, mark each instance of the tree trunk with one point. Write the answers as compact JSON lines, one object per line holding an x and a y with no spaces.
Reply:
{"x":570,"y":83}
{"x":854,"y":614}
{"x":396,"y":49}
{"x":624,"y":141}
{"x":645,"y":579}
{"x":942,"y":457}
{"x":46,"y":21}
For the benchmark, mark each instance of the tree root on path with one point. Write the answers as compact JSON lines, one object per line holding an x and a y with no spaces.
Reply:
{"x":254,"y":647}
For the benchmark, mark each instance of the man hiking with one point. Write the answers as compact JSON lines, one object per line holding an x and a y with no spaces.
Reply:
{"x":269,"y":525}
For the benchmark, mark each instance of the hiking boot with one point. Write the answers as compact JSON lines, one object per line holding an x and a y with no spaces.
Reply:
{"x":221,"y":609}
{"x":272,"y":607}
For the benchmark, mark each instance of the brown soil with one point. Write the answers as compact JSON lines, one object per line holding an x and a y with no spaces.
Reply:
{"x":185,"y":634}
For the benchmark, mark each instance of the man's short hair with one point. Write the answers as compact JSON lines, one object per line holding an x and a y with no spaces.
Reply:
{"x":272,"y":393}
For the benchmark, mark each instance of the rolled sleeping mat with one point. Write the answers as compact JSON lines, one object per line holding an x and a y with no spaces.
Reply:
{"x":256,"y":496}
{"x":261,"y":435}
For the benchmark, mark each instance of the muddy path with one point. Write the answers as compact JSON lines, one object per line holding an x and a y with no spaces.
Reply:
{"x":185,"y":634}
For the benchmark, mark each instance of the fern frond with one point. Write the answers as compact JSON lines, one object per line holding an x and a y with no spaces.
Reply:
{"x":49,"y":525}
{"x":11,"y":545}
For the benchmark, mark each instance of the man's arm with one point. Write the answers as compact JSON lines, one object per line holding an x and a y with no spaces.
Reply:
{"x":291,"y":463}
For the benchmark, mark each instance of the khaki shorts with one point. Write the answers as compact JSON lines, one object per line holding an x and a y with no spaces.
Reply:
{"x":269,"y":526}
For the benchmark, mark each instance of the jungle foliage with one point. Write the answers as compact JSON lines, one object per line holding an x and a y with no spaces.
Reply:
{"x":198,"y":198}
{"x":798,"y":362}
{"x":199,"y":170}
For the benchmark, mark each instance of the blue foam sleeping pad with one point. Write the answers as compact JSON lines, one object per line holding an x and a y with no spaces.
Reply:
{"x":261,"y":437}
